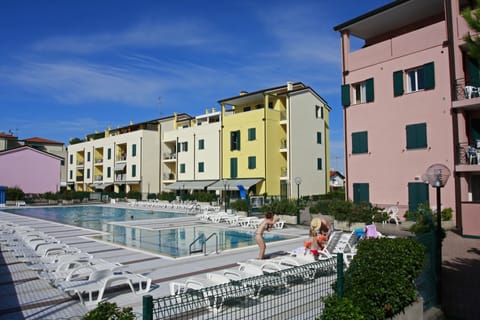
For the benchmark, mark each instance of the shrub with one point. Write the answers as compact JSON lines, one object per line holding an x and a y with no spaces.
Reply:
{"x":447,"y":214}
{"x":336,"y":309}
{"x":107,"y":310}
{"x":14,"y":193}
{"x":240,"y":205}
{"x":284,"y":206}
{"x":380,"y":279}
{"x":134,"y":195}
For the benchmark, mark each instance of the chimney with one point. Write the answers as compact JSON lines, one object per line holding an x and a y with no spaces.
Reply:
{"x":289,"y":85}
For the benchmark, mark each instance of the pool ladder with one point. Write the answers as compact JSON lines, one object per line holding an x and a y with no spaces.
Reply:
{"x":204,"y":244}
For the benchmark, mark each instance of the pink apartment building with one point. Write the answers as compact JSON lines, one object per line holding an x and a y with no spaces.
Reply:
{"x":32,"y":170}
{"x":411,"y":99}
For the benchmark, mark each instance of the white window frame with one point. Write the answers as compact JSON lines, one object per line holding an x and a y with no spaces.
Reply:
{"x":359,"y":92}
{"x":414,"y":82}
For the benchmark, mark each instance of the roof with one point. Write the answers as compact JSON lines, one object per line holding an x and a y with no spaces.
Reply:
{"x":42,"y":140}
{"x":334,"y":172}
{"x":246,"y":97}
{"x":391,"y":17}
{"x":22,"y":148}
{"x":7,"y":136}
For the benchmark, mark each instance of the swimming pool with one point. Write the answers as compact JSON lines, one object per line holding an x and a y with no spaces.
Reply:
{"x":170,"y":235}
{"x":176,"y":242}
{"x":91,"y":217}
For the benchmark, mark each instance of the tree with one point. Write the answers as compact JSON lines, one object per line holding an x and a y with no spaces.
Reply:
{"x":472,"y":16}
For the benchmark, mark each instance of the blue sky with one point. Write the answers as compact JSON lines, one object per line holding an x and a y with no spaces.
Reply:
{"x":68,"y":68}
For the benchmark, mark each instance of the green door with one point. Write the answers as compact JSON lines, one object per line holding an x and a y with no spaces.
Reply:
{"x":417,"y":194}
{"x":361,"y":192}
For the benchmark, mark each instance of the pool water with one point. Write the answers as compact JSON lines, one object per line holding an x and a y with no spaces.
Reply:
{"x":179,"y":242}
{"x":173,"y":242}
{"x":91,"y":217}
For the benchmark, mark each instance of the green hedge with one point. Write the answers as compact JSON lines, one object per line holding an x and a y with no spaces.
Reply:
{"x":380,"y":279}
{"x":348,"y":211}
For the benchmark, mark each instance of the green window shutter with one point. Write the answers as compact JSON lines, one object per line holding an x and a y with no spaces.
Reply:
{"x":252,"y":134}
{"x":416,"y":136}
{"x":238,"y":140}
{"x":233,"y":167}
{"x":319,"y":164}
{"x":359,"y":142}
{"x":319,"y":137}
{"x":346,"y":95}
{"x":71,"y":174}
{"x":134,"y":170}
{"x":185,"y":146}
{"x":88,"y":173}
{"x":370,"y":96}
{"x":182,"y":168}
{"x":201,"y":144}
{"x":109,"y":154}
{"x":71,"y":159}
{"x":201,"y":167}
{"x":179,"y":145}
{"x":134,"y":150}
{"x":361,"y":192}
{"x":252,"y":162}
{"x":88,"y":156}
{"x":109,"y":172}
{"x":398,"y":83}
{"x":429,"y":74}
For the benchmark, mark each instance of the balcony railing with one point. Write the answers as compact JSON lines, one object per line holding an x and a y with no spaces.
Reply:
{"x":169,"y":156}
{"x":466,"y":89}
{"x":168,"y":176}
{"x":79,"y":179}
{"x":283,"y":144}
{"x":283,"y":172}
{"x":120,"y":177}
{"x":98,"y":178}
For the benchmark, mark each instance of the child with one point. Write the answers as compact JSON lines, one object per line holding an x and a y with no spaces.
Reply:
{"x":266,"y":224}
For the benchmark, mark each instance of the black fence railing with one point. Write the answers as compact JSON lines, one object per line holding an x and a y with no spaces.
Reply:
{"x":294,"y":293}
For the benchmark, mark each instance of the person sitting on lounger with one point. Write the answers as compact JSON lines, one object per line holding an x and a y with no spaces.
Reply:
{"x":319,"y":233}
{"x":266,"y":224}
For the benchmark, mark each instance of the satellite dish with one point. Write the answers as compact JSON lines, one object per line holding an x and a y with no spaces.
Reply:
{"x":437,"y":175}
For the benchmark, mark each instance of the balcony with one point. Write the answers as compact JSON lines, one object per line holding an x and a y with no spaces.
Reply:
{"x":467,"y":96}
{"x":169,"y":176}
{"x":283,"y":173}
{"x":169,"y":156}
{"x":467,"y":163}
{"x":98,"y":178}
{"x":283,"y":145}
{"x":120,"y":177}
{"x":79,"y":179}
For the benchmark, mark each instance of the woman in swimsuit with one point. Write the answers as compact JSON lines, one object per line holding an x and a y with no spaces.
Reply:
{"x":266,"y":224}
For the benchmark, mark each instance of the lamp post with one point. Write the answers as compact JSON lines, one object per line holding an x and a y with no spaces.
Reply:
{"x":225,"y":184}
{"x":437,"y":176}
{"x":298,"y":182}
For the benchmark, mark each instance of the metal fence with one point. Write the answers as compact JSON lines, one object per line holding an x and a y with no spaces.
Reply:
{"x":294,"y":293}
{"x":427,"y":281}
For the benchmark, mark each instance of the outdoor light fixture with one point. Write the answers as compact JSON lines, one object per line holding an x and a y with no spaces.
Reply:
{"x":437,"y":176}
{"x":298,"y":182}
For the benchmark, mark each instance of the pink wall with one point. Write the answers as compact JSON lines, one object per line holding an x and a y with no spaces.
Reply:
{"x":389,"y":167}
{"x":470,"y":219}
{"x":31,"y":170}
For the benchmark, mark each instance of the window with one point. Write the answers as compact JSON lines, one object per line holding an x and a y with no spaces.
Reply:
{"x":361,"y":192}
{"x":109,"y":153}
{"x":134,"y":170}
{"x":134,"y":150}
{"x":201,"y":144}
{"x":319,"y":137}
{"x":88,"y":156}
{"x":201,"y":167}
{"x":319,"y":112}
{"x":88,"y":173}
{"x":185,"y":146}
{"x":246,"y":109}
{"x":415,"y":80}
{"x":109,"y":172}
{"x":182,"y":168}
{"x":252,"y":162}
{"x":233,"y":167}
{"x":71,"y":174}
{"x":270,"y":105}
{"x":252,"y":134}
{"x":359,"y":142}
{"x":71,"y":159}
{"x":416,"y":136}
{"x":362,"y":92}
{"x":319,"y":164}
{"x":421,"y":78}
{"x":235,"y":140}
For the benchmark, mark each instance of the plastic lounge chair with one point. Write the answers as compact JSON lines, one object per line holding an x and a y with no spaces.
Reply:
{"x":371,"y":231}
{"x":101,"y":280}
{"x":392,"y":213}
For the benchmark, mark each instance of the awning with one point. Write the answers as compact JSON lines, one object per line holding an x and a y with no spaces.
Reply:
{"x":103,"y":185}
{"x":190,"y":185}
{"x":120,"y":166}
{"x":233,"y":183}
